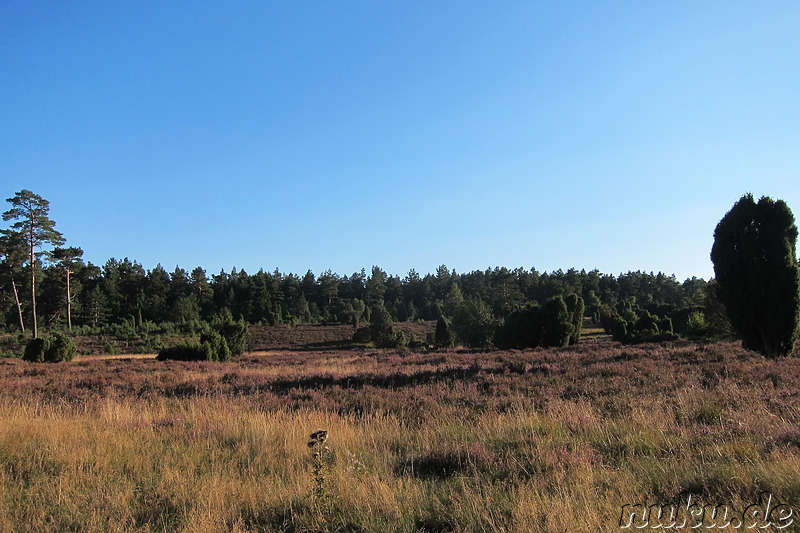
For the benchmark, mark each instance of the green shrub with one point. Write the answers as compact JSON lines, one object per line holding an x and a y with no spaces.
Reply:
{"x":109,"y":345}
{"x":618,"y":328}
{"x":154,"y":344}
{"x":698,"y":327}
{"x":557,"y":323}
{"x":50,"y":349}
{"x":212,"y":347}
{"x":62,"y":348}
{"x":382,"y":332}
{"x":522,"y":328}
{"x":125,"y":330}
{"x":443,"y":337}
{"x":362,"y":335}
{"x":217,"y":345}
{"x":416,"y":342}
{"x":474,"y":324}
{"x":234,"y":331}
{"x":36,"y":350}
{"x":576,"y":308}
{"x":605,"y":317}
{"x":183,"y":352}
{"x":756,"y":270}
{"x":630,"y":324}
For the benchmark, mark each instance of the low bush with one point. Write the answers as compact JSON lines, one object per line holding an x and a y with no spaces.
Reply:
{"x":217,"y":345}
{"x":36,"y":349}
{"x":415,"y":343}
{"x":381,"y":331}
{"x":362,"y":335}
{"x":223,"y":339}
{"x":50,"y":349}
{"x":212,"y":347}
{"x":558,"y":323}
{"x":183,"y":352}
{"x":630,"y":324}
{"x":234,"y":331}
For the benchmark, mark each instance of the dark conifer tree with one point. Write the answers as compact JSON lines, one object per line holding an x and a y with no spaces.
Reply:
{"x":233,"y":331}
{"x":557,"y":323}
{"x":443,"y":336}
{"x":522,"y":328}
{"x":755,"y":263}
{"x":382,"y":331}
{"x":576,"y":308}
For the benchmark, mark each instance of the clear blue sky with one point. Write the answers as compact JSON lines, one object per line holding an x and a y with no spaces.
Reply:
{"x":341,"y":135}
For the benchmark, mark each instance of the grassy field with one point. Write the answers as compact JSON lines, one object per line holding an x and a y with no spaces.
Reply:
{"x":552,"y":440}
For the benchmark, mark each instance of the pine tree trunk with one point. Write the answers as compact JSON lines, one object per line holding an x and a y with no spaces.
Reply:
{"x":33,"y":285}
{"x":19,"y":305}
{"x":69,"y":303}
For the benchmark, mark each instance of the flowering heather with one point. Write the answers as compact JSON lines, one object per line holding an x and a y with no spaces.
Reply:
{"x":535,"y":440}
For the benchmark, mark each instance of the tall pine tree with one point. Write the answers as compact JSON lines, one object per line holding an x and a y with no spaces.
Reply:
{"x":32,"y":222}
{"x":69,"y":260}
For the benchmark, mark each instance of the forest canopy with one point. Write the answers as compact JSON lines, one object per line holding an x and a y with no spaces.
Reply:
{"x":69,"y":292}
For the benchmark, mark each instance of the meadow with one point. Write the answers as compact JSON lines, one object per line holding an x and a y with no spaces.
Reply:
{"x":554,"y":440}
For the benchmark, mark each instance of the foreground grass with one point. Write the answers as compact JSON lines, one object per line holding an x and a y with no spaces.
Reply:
{"x":545,"y":441}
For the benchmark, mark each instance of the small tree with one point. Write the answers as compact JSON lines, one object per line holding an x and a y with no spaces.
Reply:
{"x":557,"y":323}
{"x":443,"y":337}
{"x":215,"y":347}
{"x":755,"y":263}
{"x":382,"y":332}
{"x":62,"y":348}
{"x":522,"y":328}
{"x":576,"y":308}
{"x":474,"y":323}
{"x":234,"y":331}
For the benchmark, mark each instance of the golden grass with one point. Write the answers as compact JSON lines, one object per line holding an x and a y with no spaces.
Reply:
{"x":218,"y":462}
{"x":207,"y":464}
{"x":117,"y":356}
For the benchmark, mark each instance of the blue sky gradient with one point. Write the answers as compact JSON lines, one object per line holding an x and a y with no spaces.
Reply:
{"x":320,"y":135}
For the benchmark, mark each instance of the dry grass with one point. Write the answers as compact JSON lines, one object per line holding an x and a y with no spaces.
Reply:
{"x":118,"y":356}
{"x":544,"y":441}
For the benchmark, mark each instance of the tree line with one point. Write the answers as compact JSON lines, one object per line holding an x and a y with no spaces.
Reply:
{"x":42,"y":281}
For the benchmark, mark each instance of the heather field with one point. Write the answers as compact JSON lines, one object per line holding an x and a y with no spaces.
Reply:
{"x":555,"y":440}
